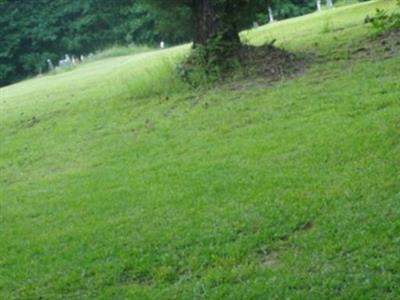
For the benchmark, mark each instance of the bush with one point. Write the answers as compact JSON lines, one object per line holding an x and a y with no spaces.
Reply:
{"x":211,"y":63}
{"x":383,"y":21}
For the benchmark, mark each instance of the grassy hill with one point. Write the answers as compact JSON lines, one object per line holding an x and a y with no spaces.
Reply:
{"x":117,"y":181}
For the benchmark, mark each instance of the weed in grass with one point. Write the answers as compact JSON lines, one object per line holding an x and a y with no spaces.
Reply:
{"x":327,"y":27}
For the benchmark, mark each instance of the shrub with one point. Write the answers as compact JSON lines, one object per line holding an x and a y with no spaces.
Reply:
{"x":384,"y":21}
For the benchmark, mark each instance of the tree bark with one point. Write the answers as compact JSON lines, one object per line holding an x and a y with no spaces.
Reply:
{"x":215,"y":19}
{"x":270,"y":14}
{"x":319,"y":5}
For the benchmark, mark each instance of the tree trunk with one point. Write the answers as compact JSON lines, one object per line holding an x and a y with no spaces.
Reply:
{"x":319,"y":5}
{"x":270,"y":14}
{"x":329,"y":3}
{"x":215,"y":20}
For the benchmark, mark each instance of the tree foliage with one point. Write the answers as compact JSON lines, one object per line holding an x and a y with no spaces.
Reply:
{"x":33,"y":31}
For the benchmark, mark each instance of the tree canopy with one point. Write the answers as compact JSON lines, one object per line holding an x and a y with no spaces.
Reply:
{"x":33,"y":31}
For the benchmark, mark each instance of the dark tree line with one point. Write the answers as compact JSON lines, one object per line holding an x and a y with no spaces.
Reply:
{"x":32,"y":31}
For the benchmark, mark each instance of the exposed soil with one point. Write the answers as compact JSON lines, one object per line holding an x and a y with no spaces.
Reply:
{"x":385,"y":46}
{"x":270,"y":63}
{"x":264,"y":64}
{"x":391,"y":42}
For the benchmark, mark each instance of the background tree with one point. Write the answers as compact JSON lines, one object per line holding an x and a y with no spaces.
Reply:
{"x":33,"y":31}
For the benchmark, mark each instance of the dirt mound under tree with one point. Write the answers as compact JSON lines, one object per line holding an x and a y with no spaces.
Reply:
{"x":267,"y":63}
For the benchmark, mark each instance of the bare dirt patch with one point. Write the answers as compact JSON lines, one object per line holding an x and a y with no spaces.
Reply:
{"x":268,"y":258}
{"x":271,"y":63}
{"x":382,"y":47}
{"x":266,"y":65}
{"x":245,"y":65}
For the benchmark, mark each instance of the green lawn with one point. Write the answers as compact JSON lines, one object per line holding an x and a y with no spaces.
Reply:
{"x":117,"y":181}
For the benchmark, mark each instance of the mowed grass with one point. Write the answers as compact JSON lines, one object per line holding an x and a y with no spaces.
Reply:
{"x":117,"y":181}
